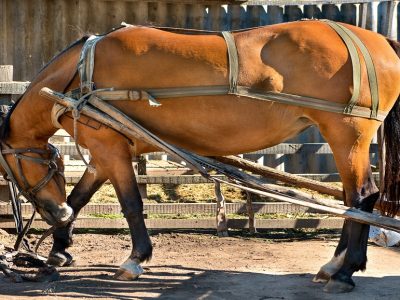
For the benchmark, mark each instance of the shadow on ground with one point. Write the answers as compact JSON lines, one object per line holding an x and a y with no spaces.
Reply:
{"x":178,"y":282}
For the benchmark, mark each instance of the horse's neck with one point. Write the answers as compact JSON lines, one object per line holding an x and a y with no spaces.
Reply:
{"x":30,"y":123}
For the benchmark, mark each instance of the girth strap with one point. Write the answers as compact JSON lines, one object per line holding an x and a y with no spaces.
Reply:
{"x":233,"y":61}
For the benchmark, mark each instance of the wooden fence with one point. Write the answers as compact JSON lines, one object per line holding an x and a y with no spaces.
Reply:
{"x":32,"y":31}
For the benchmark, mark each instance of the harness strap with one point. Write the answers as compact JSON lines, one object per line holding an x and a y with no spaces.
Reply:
{"x":86,"y":68}
{"x":29,"y":192}
{"x":243,"y":91}
{"x":355,"y":61}
{"x":233,"y":61}
{"x":371,"y":72}
{"x":86,"y":64}
{"x":346,"y":35}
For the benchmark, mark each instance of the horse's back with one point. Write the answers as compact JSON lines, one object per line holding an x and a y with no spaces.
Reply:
{"x":303,"y":58}
{"x":309,"y":58}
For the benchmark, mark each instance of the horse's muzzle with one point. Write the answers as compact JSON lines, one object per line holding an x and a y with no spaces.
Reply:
{"x":58,"y":215}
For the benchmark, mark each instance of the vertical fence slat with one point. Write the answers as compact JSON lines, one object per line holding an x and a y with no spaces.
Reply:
{"x":177,"y":15}
{"x":235,"y":13}
{"x":293,"y":13}
{"x":363,"y":12}
{"x":196,"y":17}
{"x":349,"y":13}
{"x":214,"y":17}
{"x":141,"y":11}
{"x":312,"y":12}
{"x":3,"y":33}
{"x":162,"y":12}
{"x":275,"y":14}
{"x":331,"y":12}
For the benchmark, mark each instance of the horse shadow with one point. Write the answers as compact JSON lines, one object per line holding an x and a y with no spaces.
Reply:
{"x":178,"y":282}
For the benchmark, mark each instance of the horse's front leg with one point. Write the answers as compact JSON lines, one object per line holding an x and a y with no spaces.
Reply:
{"x":78,"y":198}
{"x":115,"y":159}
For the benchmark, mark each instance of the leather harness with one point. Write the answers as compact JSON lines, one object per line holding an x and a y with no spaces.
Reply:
{"x":29,"y":192}
{"x":351,"y":41}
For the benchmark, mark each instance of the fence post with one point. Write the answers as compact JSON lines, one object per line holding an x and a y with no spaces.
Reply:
{"x":6,"y":75}
{"x":140,"y":169}
{"x":250,"y":213}
{"x":222,"y":225}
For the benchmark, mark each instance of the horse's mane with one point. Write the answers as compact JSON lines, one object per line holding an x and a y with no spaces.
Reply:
{"x":5,"y":126}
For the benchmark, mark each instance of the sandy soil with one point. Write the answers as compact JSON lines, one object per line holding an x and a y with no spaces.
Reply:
{"x":192,"y":265}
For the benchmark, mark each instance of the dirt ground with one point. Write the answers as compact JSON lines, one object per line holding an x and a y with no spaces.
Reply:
{"x":192,"y":265}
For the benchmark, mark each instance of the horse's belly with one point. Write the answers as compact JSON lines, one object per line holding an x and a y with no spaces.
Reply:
{"x":218,"y":125}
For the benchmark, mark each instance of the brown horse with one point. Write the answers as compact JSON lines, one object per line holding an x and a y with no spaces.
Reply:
{"x":304,"y":58}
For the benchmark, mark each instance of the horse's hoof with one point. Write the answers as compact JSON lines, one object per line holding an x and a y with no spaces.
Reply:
{"x":223,"y":233}
{"x":335,"y":286}
{"x":124,"y":275}
{"x":60,"y":259}
{"x":129,"y":270}
{"x":321,"y":277}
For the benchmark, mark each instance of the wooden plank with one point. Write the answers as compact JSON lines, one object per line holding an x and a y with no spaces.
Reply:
{"x":6,"y":73}
{"x":300,"y":2}
{"x":74,"y":177}
{"x":197,"y":179}
{"x":181,"y":208}
{"x":284,"y":148}
{"x":13,"y":87}
{"x":99,"y":223}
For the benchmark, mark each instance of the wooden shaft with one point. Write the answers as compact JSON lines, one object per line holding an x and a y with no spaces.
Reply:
{"x":115,"y":119}
{"x":282,"y":176}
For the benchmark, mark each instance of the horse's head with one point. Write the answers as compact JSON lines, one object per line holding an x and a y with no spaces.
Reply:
{"x":38,"y":174}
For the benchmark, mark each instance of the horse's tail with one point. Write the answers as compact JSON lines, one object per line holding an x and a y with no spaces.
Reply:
{"x":390,"y":193}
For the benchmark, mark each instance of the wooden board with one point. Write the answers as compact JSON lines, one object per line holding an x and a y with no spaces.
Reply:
{"x":98,"y":223}
{"x":180,"y":208}
{"x":13,"y":87}
{"x":284,"y":148}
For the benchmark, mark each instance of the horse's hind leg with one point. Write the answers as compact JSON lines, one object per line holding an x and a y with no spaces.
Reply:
{"x":350,"y":145}
{"x":79,"y":197}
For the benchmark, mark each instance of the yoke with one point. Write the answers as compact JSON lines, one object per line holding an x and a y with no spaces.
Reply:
{"x":351,"y":41}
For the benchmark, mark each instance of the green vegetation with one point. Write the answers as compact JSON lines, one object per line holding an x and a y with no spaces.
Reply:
{"x":106,"y":216}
